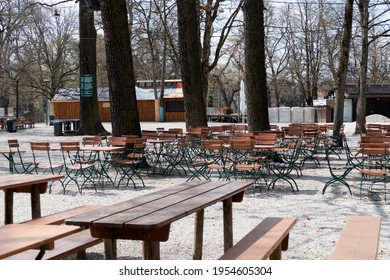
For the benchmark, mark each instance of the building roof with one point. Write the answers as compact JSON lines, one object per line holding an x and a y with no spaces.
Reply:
{"x":372,"y":90}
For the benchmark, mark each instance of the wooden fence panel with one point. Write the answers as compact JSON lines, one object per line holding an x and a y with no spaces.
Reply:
{"x":148,"y":110}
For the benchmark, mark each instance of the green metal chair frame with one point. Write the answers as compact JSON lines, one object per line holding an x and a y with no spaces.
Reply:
{"x":338,"y":173}
{"x":246,"y":161}
{"x":133,"y":164}
{"x":74,"y":166}
{"x":374,"y":167}
{"x":288,"y":161}
{"x":19,"y":164}
{"x":43,"y":160}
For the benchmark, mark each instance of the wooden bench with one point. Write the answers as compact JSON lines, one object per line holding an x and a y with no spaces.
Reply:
{"x":359,"y":239}
{"x":75,"y":243}
{"x":265,"y":241}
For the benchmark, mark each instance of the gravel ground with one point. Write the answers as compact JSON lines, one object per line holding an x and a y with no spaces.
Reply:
{"x":320,"y":218}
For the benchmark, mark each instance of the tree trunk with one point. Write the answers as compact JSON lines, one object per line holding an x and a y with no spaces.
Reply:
{"x":256,"y":82}
{"x":90,"y":123}
{"x":191,"y":70}
{"x":342,"y":68}
{"x":361,"y":101}
{"x":124,"y":112}
{"x":206,"y":50}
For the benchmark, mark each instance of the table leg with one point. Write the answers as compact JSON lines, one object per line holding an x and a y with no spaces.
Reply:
{"x":101,"y":169}
{"x":228,"y":223}
{"x":36,"y":201}
{"x":110,"y":250}
{"x":151,"y":250}
{"x":8,"y":206}
{"x":199,"y":222}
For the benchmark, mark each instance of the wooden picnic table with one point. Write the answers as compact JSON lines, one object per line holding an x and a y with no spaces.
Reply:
{"x":17,"y":238}
{"x":149,"y":217}
{"x":24,"y":183}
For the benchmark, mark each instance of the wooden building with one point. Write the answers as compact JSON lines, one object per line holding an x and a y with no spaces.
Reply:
{"x":66,"y":105}
{"x":377,"y":99}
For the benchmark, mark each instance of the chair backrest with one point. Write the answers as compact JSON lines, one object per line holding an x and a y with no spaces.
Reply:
{"x":72,"y":146}
{"x":374,"y":157}
{"x":217,"y":129}
{"x":227,"y":128}
{"x":168,"y":135}
{"x":379,"y":145}
{"x":178,"y":131}
{"x":136,"y":149}
{"x":213,"y":144}
{"x":92,"y":141}
{"x":41,"y":151}
{"x":116,"y":141}
{"x":266,"y":139}
{"x":40,"y":146}
{"x":240,"y":128}
{"x":241,"y":144}
{"x":13,"y":144}
{"x":149,"y":134}
{"x":294,"y":130}
{"x":241,"y":150}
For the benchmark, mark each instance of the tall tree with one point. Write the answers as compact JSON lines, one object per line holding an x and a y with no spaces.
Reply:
{"x":213,"y":9}
{"x":361,"y":101}
{"x":123,"y":105}
{"x":256,"y":76}
{"x":343,"y":66}
{"x":90,"y":122}
{"x":191,"y":70}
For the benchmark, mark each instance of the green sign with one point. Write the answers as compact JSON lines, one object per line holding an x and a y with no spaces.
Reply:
{"x":86,"y":85}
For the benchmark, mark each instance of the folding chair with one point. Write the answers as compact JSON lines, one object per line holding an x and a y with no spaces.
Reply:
{"x":310,"y":145}
{"x":43,"y":160}
{"x":338,"y":172}
{"x":19,"y":164}
{"x":214,"y":155}
{"x":286,"y":164}
{"x":90,"y":156}
{"x":132,"y":165}
{"x":246,"y":162}
{"x":74,"y":166}
{"x":374,"y":168}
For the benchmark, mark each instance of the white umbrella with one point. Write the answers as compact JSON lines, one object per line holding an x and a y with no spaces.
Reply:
{"x":242,"y":99}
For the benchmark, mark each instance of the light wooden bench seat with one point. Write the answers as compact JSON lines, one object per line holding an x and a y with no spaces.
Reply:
{"x":265,"y":241}
{"x":359,"y":239}
{"x":75,"y":243}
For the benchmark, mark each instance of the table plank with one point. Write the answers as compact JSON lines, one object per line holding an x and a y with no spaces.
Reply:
{"x":20,"y":180}
{"x":88,"y":218}
{"x":162,"y":207}
{"x":157,"y":205}
{"x":150,"y":214}
{"x":194,"y":202}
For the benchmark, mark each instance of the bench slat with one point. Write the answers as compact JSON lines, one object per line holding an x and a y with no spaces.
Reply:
{"x":359,"y":239}
{"x":268,"y":238}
